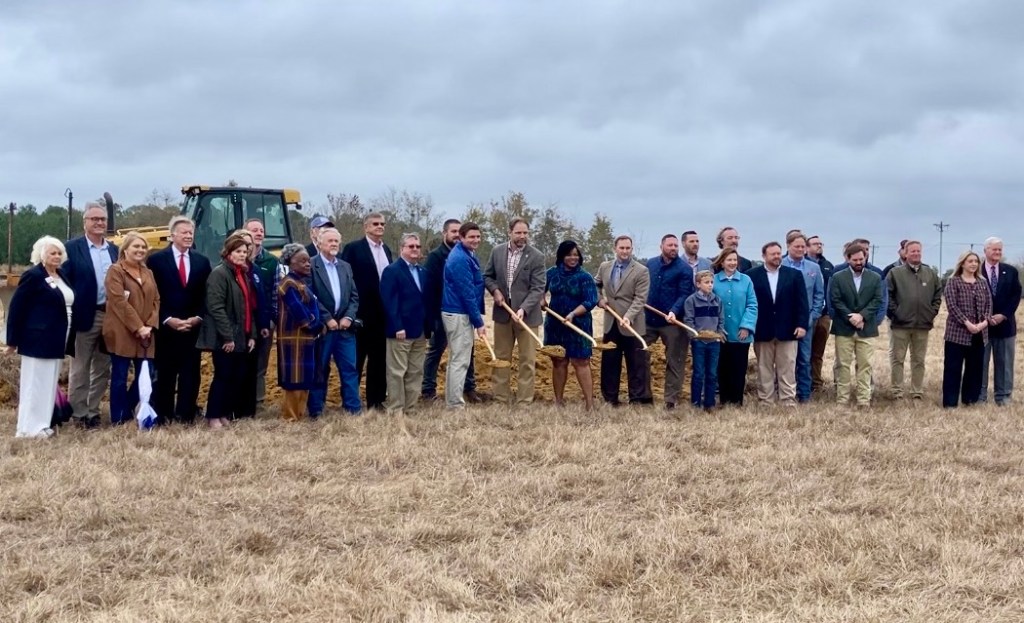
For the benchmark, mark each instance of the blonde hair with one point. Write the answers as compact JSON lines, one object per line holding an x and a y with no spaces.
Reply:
{"x":40,"y":247}
{"x":704,"y":274}
{"x":958,"y":270}
{"x":129,"y":238}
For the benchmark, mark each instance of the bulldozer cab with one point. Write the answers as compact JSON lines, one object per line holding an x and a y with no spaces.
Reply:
{"x":218,"y":211}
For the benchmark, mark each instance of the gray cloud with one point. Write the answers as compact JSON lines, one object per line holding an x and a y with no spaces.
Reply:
{"x":845,"y":118}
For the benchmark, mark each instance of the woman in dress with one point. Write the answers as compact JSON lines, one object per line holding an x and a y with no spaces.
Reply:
{"x":299,"y":326}
{"x":229,"y":331}
{"x":573,"y":296}
{"x":39,"y":329}
{"x":736,"y":292}
{"x":969,"y":307}
{"x":133,"y":306}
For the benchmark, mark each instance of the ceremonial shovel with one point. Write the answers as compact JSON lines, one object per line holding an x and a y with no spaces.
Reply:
{"x":608,"y":308}
{"x":550,"y":351}
{"x":495,"y":362}
{"x":597,"y":345}
{"x":692,"y":331}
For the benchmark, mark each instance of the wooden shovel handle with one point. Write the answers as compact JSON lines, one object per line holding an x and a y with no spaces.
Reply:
{"x":572,"y":326}
{"x":629,"y":328}
{"x":673,"y":321}
{"x":521,"y":322}
{"x":489,"y":348}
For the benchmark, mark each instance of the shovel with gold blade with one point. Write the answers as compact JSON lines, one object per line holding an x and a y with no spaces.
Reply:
{"x":615,"y":315}
{"x":597,"y":345}
{"x":550,"y":351}
{"x":495,"y":362}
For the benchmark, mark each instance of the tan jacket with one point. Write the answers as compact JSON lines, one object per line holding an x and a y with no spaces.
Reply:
{"x":130,"y":306}
{"x":629,"y":296}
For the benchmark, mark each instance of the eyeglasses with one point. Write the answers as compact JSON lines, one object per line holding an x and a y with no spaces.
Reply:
{"x":413,"y":246}
{"x":378,"y":224}
{"x":97,"y":219}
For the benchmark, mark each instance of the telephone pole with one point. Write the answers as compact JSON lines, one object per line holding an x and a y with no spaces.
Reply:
{"x":942,"y":227}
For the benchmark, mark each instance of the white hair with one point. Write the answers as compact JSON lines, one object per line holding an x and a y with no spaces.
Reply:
{"x":992,"y":241}
{"x":329,"y":230}
{"x":408,"y":237}
{"x":178,"y":219}
{"x":42,"y":245}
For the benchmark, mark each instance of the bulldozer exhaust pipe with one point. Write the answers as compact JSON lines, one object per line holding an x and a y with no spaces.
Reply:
{"x":110,"y":212}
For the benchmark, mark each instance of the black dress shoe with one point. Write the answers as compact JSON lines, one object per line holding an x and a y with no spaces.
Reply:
{"x":669,"y":406}
{"x":473,"y":397}
{"x":90,"y":422}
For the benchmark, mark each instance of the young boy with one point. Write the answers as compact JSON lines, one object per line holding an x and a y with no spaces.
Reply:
{"x":703,"y":312}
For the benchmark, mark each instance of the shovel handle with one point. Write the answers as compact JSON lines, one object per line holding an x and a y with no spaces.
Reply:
{"x":692,"y":331}
{"x":572,"y":326}
{"x":521,"y":322}
{"x":489,"y":348}
{"x":629,"y":327}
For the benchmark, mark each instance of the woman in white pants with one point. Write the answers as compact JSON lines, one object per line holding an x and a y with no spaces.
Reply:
{"x":38,"y":329}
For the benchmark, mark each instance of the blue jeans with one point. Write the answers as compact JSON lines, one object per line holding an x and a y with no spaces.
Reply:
{"x":341,"y":346}
{"x":803,"y":364}
{"x":705,"y":372}
{"x":124,"y":399}
{"x":436,"y":347}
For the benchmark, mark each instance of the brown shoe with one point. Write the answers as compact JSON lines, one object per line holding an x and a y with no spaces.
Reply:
{"x":473,"y":397}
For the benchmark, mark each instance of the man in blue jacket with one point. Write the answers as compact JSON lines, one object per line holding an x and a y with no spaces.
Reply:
{"x":671,"y":284}
{"x":89,"y":257}
{"x":814,"y":285}
{"x":462,"y":306}
{"x":403,"y":291}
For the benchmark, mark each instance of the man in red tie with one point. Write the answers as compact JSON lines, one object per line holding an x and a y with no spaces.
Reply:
{"x":181,"y":276}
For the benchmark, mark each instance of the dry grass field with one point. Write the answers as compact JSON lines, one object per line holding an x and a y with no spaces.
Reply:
{"x":902,"y":513}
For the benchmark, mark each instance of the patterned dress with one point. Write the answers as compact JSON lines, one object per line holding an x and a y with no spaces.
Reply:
{"x":569,"y":289}
{"x":298,"y":328}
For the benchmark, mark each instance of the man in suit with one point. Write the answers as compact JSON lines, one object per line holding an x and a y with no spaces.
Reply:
{"x":180,"y":273}
{"x":403,"y":290}
{"x":782,"y":321}
{"x":671,"y":285}
{"x":434,"y":269}
{"x":336,"y":290}
{"x":89,"y":257}
{"x":856,"y":296}
{"x":1004,"y":283}
{"x":729,"y":237}
{"x":368,"y":257}
{"x":515,"y":275}
{"x":623,"y":284}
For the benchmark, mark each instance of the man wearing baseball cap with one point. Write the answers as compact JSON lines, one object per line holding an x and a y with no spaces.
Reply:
{"x":318,"y":222}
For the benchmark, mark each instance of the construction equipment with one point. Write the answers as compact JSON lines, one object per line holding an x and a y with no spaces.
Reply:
{"x":219,"y":210}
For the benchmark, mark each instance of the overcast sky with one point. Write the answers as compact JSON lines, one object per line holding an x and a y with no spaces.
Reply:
{"x":852,"y":118}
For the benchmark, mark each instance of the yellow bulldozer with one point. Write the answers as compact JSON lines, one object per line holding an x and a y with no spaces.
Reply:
{"x":219,"y":210}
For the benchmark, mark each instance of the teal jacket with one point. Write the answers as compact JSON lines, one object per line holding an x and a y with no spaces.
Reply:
{"x":739,"y":304}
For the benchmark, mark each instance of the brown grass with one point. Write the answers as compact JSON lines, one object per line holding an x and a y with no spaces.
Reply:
{"x":813,"y":514}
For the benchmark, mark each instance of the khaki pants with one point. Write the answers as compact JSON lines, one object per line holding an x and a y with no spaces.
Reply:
{"x":848,"y":350}
{"x":677,"y":343}
{"x":776,"y":362}
{"x":294,"y":406}
{"x":917,"y":341}
{"x":507,"y":335}
{"x":90,"y":371}
{"x":460,"y":350}
{"x":404,"y":363}
{"x":818,"y":343}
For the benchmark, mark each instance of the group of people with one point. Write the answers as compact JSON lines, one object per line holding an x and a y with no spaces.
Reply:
{"x":386,"y":321}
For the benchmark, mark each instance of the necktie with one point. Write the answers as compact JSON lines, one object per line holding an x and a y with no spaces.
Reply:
{"x":181,"y":270}
{"x":616,"y":273}
{"x":993,"y":278}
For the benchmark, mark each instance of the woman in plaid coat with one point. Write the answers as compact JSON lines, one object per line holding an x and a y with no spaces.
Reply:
{"x":969,"y":307}
{"x":299,"y":326}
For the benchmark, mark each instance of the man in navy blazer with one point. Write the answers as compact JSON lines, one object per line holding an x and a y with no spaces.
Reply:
{"x":89,"y":258}
{"x":180,"y":273}
{"x":1004,"y":283}
{"x":339,"y":301}
{"x":403,"y":290}
{"x":783,"y":313}
{"x":369,"y":256}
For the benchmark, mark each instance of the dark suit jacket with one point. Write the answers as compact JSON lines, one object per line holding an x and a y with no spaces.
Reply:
{"x":1005,"y":300}
{"x":225,"y":311}
{"x":403,"y":301}
{"x":434,"y":269}
{"x":78,"y":271}
{"x":37,"y":320}
{"x":176,"y":300}
{"x":527,"y":284}
{"x":778,"y":319}
{"x":358,"y":255}
{"x":350,"y":300}
{"x":845,"y":300}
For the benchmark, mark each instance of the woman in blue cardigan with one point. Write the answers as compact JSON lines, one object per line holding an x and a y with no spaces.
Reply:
{"x":739,"y":305}
{"x":39,"y":329}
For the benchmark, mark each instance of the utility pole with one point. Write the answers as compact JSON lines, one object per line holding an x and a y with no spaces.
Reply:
{"x":874,"y":250}
{"x":942,"y":227}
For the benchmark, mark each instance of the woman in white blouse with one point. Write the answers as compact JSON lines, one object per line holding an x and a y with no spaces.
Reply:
{"x":39,"y":329}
